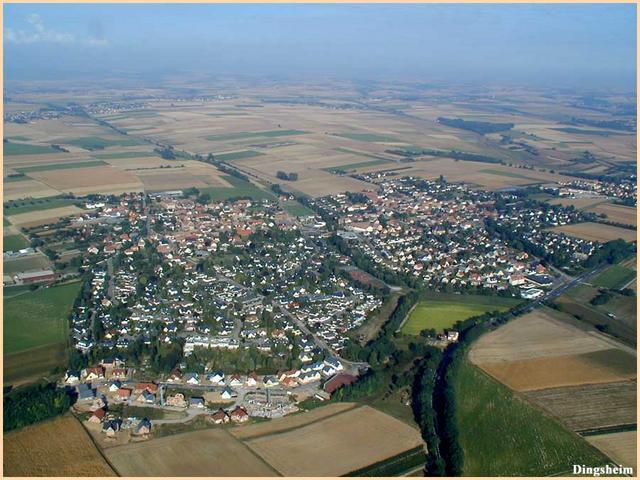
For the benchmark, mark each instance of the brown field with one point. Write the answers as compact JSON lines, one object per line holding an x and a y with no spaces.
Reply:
{"x":617,"y":213}
{"x":28,"y":188}
{"x":39,"y":217}
{"x":621,"y":447}
{"x":79,"y":180}
{"x":210,"y":452}
{"x":337,"y":445}
{"x":56,"y":448}
{"x":562,"y":371}
{"x":539,"y":350}
{"x":597,"y":232}
{"x":579,"y":203}
{"x":589,"y":407}
{"x":483,"y":175}
{"x":540,"y":333}
{"x":244,"y":432}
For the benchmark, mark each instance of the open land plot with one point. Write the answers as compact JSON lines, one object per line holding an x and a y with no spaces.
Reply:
{"x":538,"y":351}
{"x":598,"y":232}
{"x":211,"y":452}
{"x":37,"y":261}
{"x":27,"y":188}
{"x":616,"y":213}
{"x":38,"y":318}
{"x":475,"y":173}
{"x":100,"y":143}
{"x":442,"y":315}
{"x":579,"y":203}
{"x":88,"y":179}
{"x":35,"y":217}
{"x":297,"y":420}
{"x":14,"y":243}
{"x":622,"y":447}
{"x":237,"y":188}
{"x":33,"y":364}
{"x":57,"y":447}
{"x":12,"y":148}
{"x":297,"y":209}
{"x":590,"y":407}
{"x":517,"y":438}
{"x":537,"y":334}
{"x":352,"y":440}
{"x":616,"y":276}
{"x":123,"y":155}
{"x":60,"y":166}
{"x":567,"y":370}
{"x":29,"y":205}
{"x":253,"y":135}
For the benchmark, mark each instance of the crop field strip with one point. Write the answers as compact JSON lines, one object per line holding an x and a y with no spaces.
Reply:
{"x":57,"y":447}
{"x":598,"y":232}
{"x":590,"y":407}
{"x":60,"y":166}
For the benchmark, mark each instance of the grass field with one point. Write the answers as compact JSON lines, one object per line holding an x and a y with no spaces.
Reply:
{"x":120,"y":155}
{"x":25,"y":264}
{"x":26,"y":149}
{"x":31,"y":365}
{"x":60,"y":166}
{"x":223,"y":157}
{"x":260,"y":134}
{"x":38,"y":318}
{"x":99,"y":143}
{"x":14,"y":243}
{"x":616,"y":276}
{"x":443,"y":314}
{"x":54,"y":448}
{"x":508,"y":174}
{"x":368,"y":137}
{"x":17,"y":207}
{"x":240,"y":188}
{"x":297,"y":209}
{"x":517,"y":438}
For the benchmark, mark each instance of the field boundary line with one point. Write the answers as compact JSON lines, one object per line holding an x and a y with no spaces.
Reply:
{"x":312,"y":422}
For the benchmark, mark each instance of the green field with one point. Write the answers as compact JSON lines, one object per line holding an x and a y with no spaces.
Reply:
{"x":14,"y":243}
{"x":16,"y":178}
{"x":117,"y":155}
{"x":25,"y":264}
{"x":442,"y":314}
{"x":297,"y":209}
{"x":61,"y":166}
{"x":260,"y":134}
{"x":502,"y":435}
{"x":99,"y":143}
{"x":223,"y":157}
{"x":240,"y":188}
{"x":367,"y":137}
{"x":353,"y":166}
{"x":16,"y":207}
{"x":10,"y":148}
{"x":38,"y":318}
{"x":616,"y":276}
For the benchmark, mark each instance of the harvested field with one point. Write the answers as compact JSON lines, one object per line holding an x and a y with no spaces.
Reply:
{"x":58,"y":447}
{"x":40,"y":217}
{"x":589,"y":407}
{"x":579,"y":203}
{"x":211,"y":452}
{"x":597,"y":232}
{"x":27,"y":188}
{"x":558,"y":371}
{"x":616,"y":213}
{"x":538,"y":351}
{"x":352,"y":440}
{"x":289,"y":422}
{"x":622,"y":447}
{"x":88,"y":179}
{"x":537,"y":334}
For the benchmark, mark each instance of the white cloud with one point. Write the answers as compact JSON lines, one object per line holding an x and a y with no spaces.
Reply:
{"x":39,"y":33}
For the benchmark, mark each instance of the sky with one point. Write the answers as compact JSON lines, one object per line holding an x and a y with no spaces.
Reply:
{"x":569,"y":45}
